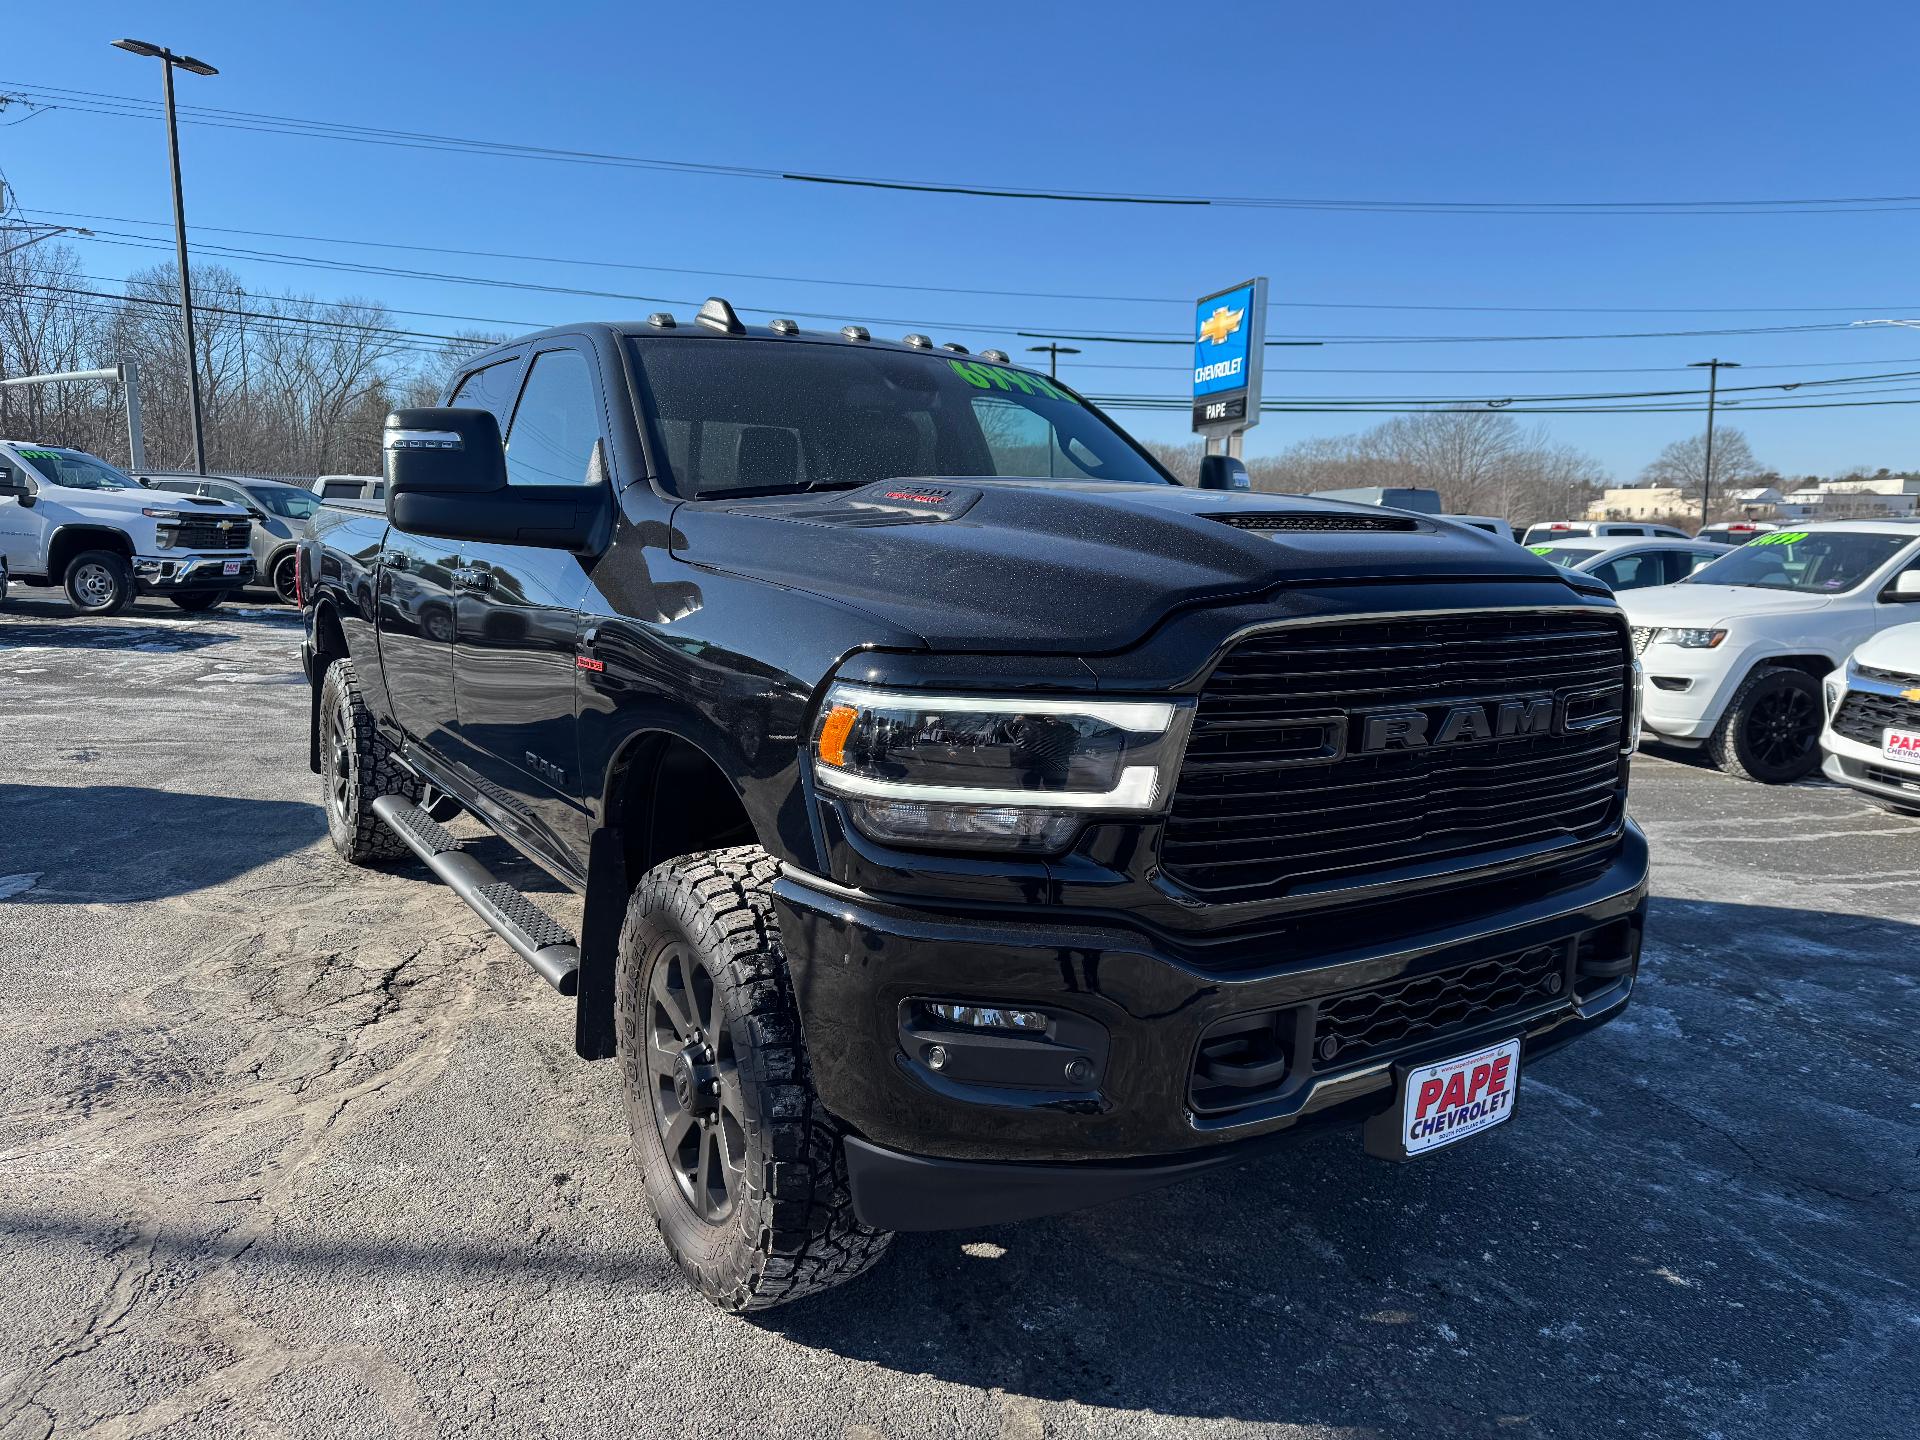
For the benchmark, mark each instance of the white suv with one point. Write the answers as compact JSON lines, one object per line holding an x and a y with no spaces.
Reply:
{"x":1872,"y":739}
{"x":69,"y":519}
{"x":1735,"y":653}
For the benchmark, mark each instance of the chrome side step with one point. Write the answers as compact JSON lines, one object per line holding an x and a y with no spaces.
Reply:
{"x":536,"y":936}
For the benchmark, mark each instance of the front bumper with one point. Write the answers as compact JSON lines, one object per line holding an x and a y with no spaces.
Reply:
{"x":934,"y":1150}
{"x":1863,"y":768}
{"x":176,"y":574}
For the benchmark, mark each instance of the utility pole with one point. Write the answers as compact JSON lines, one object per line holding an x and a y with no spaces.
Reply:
{"x":168,"y":60}
{"x":1054,"y":352}
{"x":1713,"y":369}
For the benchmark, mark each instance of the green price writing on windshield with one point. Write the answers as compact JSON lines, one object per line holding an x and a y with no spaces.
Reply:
{"x":1541,"y":549}
{"x":1780,"y":537}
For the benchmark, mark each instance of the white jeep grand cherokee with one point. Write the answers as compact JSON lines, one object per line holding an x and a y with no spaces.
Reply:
{"x":1735,"y":653}
{"x":1872,"y":739}
{"x":70,"y":519}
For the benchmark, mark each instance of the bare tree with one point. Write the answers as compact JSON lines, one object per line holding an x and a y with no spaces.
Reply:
{"x":1682,"y":464}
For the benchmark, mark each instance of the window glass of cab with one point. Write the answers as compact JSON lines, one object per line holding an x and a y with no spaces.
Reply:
{"x":491,"y":389}
{"x":557,"y":423}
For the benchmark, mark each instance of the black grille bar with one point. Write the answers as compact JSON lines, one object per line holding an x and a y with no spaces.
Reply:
{"x":1863,"y":716}
{"x":1271,"y":795}
{"x":196,"y":532}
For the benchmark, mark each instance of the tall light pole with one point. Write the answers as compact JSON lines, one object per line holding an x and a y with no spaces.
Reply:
{"x":168,"y":60}
{"x":1054,"y":352}
{"x":1713,"y":369}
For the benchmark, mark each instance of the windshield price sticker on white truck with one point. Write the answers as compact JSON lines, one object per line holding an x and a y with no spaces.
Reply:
{"x":1901,"y":745}
{"x":1457,"y":1098}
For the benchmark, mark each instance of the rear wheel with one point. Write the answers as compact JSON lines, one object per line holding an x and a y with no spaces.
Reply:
{"x":744,"y":1170}
{"x":1771,"y":731}
{"x":97,"y":583}
{"x":196,"y":601}
{"x":284,"y":584}
{"x":357,"y":767}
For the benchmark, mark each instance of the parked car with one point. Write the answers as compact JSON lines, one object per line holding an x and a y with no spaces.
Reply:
{"x":1734,"y":655}
{"x":70,"y":519}
{"x":948,"y":787}
{"x":1631,"y":562}
{"x":1548,"y":531}
{"x":1492,"y":524}
{"x":1735,"y":532}
{"x":1872,"y":736}
{"x":280,"y":513}
{"x":350,"y":487}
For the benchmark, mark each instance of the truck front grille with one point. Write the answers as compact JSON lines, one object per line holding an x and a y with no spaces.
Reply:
{"x":203,"y":532}
{"x":1863,"y":716}
{"x":1352,"y":1028}
{"x":1279,"y":790}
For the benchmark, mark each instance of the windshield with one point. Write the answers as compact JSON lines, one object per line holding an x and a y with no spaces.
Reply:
{"x":777,"y":417}
{"x":76,"y":470}
{"x":1565,"y":559}
{"x":285,"y":501}
{"x":1818,"y":563}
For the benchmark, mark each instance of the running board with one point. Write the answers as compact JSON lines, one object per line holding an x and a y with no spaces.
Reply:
{"x":538,"y":938}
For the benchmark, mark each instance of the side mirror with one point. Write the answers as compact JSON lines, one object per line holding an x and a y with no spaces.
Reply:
{"x":446,"y":477}
{"x":13,"y":483}
{"x":1906,"y":586}
{"x":1223,"y":472}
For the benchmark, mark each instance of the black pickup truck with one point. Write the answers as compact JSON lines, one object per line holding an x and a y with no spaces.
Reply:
{"x":971,"y":821}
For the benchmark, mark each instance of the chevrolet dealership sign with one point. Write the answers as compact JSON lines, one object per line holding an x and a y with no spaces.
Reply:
{"x":1229,"y":330}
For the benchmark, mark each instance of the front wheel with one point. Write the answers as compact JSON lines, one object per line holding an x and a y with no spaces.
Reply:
{"x":285,"y":585}
{"x":744,"y":1169}
{"x":357,"y":767}
{"x":195,"y":602}
{"x":1771,"y":731}
{"x":97,"y":583}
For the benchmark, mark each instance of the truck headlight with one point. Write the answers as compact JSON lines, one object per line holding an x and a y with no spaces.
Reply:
{"x":1691,"y":639}
{"x":1637,"y":701}
{"x":987,"y":772}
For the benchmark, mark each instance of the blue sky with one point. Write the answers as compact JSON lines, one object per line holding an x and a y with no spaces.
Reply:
{"x":1398,"y":102}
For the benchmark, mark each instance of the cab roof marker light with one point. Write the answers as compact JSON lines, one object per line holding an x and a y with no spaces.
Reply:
{"x":1141,"y":717}
{"x":717,"y":314}
{"x":956,"y":347}
{"x":855,"y":332}
{"x":661,"y":320}
{"x":1000,"y":355}
{"x":784,"y":327}
{"x":920,"y":342}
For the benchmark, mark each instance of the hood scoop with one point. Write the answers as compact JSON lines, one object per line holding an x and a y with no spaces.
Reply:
{"x":887,"y":502}
{"x":1316,"y":522}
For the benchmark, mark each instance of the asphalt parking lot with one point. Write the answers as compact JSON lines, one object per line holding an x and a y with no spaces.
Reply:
{"x":291,"y":1150}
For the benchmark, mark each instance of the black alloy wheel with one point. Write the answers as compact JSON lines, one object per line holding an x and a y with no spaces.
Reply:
{"x":1782,"y":728}
{"x":697,"y":1107}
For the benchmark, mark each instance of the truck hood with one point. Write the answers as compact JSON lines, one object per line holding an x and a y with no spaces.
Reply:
{"x":113,"y":504}
{"x":1705,"y":605}
{"x":1071,"y":567}
{"x":1897,"y":650}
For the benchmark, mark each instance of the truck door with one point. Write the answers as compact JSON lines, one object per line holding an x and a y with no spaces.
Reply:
{"x":515,"y":616}
{"x":23,"y":539}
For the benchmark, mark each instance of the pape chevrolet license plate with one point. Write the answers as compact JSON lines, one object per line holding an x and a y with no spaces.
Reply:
{"x":230,"y":567}
{"x":1901,"y":745}
{"x":1444,"y":1103}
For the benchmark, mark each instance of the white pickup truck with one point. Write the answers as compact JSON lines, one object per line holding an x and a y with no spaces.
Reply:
{"x":1734,"y":655}
{"x":69,"y":519}
{"x":1872,"y":739}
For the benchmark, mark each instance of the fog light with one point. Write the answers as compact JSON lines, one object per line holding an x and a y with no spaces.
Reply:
{"x":936,"y":1057}
{"x":986,"y":1017}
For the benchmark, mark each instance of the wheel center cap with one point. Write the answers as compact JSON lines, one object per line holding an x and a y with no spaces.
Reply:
{"x":691,"y":1081}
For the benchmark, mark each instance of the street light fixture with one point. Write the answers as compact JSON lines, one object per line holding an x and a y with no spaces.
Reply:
{"x":168,"y":61}
{"x":1713,"y":369}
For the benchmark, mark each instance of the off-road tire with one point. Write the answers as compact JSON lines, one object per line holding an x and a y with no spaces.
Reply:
{"x":195,"y":602}
{"x":98,"y":583}
{"x":790,"y":1230}
{"x":1733,"y":746}
{"x":357,"y":767}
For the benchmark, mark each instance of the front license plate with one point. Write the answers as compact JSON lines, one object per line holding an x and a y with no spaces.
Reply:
{"x":231,"y":567}
{"x":1901,"y":745}
{"x":1442,"y":1103}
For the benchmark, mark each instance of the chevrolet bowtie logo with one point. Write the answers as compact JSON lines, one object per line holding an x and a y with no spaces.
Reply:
{"x":1222,"y":323}
{"x":1913,"y":695}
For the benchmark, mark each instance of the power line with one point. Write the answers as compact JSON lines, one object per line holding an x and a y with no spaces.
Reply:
{"x":130,"y":107}
{"x":998,"y":294}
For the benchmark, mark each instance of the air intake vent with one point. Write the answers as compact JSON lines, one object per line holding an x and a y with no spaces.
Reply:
{"x":1317,"y":522}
